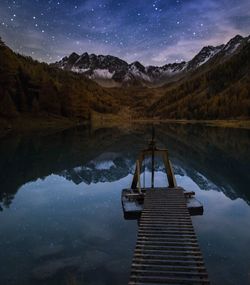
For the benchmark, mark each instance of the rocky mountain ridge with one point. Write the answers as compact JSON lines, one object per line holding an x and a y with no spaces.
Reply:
{"x":113,"y":71}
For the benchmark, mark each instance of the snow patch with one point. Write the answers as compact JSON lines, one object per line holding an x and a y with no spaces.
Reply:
{"x":79,"y":169}
{"x":211,"y":54}
{"x":102,"y":73}
{"x":204,"y":183}
{"x":104,"y":165}
{"x":230,"y":48}
{"x":127,"y":77}
{"x":170,"y":71}
{"x":79,"y":70}
{"x":137,"y":73}
{"x":235,"y":48}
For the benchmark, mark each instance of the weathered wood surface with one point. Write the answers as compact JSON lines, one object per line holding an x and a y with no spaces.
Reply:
{"x":167,"y":251}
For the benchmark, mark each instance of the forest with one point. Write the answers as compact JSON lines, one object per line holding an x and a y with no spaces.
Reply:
{"x":28,"y":86}
{"x":219,"y":90}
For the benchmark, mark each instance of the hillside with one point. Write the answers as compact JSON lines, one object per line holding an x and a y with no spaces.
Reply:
{"x":216,"y":89}
{"x":220,"y":89}
{"x":214,"y":84}
{"x":30,"y":87}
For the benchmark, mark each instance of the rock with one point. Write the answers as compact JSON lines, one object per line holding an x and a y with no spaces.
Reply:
{"x":51,"y":268}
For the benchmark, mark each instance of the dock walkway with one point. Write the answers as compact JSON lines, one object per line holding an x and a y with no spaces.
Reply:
{"x":167,"y":251}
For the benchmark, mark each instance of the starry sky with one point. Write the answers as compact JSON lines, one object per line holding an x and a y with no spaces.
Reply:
{"x":155,"y":32}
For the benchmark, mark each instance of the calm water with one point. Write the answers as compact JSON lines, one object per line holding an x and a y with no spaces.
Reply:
{"x":61,"y":220}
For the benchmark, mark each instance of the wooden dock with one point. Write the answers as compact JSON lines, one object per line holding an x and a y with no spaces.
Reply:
{"x":167,"y":251}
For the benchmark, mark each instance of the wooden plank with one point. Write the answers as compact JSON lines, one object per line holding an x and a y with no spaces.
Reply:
{"x":159,"y":218}
{"x":156,"y":253}
{"x":173,"y":262}
{"x":166,"y":280}
{"x":167,"y":250}
{"x":166,"y":226}
{"x":167,"y":238}
{"x":166,"y":230}
{"x":165,"y":243}
{"x":164,"y":221}
{"x":168,"y":267}
{"x":169,"y":272}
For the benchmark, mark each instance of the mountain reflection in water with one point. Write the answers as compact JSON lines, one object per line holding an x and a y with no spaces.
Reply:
{"x":209,"y":160}
{"x":219,"y":155}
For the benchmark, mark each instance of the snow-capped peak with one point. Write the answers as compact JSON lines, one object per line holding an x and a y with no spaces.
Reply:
{"x":113,"y":68}
{"x":204,"y":55}
{"x":233,"y":44}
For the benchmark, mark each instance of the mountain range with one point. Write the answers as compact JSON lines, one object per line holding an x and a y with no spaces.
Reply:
{"x":112,"y":71}
{"x":214,"y":85}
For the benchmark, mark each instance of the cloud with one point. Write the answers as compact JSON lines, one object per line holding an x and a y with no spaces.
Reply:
{"x":186,"y":49}
{"x":132,"y":30}
{"x":220,"y":26}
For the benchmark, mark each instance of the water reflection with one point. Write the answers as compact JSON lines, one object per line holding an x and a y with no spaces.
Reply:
{"x":218,"y":155}
{"x":65,"y":218}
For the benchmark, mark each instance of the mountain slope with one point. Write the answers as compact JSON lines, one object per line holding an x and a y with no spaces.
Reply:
{"x":220,"y":89}
{"x":213,"y":85}
{"x":30,"y":87}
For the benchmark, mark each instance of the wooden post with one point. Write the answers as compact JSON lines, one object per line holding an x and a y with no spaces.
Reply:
{"x":152,"y":145}
{"x":169,"y":170}
{"x":167,"y":163}
{"x":138,"y":175}
{"x":172,"y":174}
{"x":135,"y":178}
{"x":153,"y":169}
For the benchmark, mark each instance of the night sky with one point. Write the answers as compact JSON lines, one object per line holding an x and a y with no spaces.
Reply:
{"x":153,"y":32}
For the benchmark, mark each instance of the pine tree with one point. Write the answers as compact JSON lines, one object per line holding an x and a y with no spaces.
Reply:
{"x":1,"y":42}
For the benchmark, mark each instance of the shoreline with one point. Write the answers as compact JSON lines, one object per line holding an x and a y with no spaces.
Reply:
{"x":36,"y":124}
{"x":40,"y":124}
{"x":239,"y":124}
{"x":230,"y":123}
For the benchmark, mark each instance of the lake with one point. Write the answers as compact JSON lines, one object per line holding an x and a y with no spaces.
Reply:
{"x":61,"y":220}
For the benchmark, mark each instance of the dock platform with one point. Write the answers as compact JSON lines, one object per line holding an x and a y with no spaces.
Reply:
{"x":167,"y":251}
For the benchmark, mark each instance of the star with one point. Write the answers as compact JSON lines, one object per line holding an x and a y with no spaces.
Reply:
{"x":121,"y":28}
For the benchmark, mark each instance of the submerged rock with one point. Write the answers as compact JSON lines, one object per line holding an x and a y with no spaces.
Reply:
{"x":53,"y":267}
